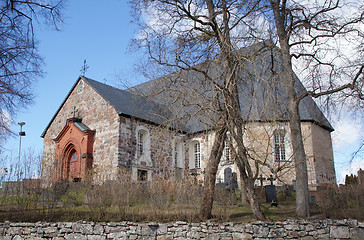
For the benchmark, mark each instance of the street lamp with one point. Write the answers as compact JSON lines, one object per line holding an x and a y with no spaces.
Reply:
{"x":21,"y":133}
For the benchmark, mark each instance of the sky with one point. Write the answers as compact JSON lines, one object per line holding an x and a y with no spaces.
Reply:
{"x":100,"y":32}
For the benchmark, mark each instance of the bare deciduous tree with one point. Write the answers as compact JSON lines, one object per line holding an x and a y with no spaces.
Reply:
{"x":199,"y":42}
{"x":20,"y":63}
{"x":187,"y":35}
{"x":314,"y":36}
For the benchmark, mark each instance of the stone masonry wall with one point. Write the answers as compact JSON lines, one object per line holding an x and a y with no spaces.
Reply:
{"x":323,"y":155}
{"x":160,"y":155}
{"x":98,"y":115}
{"x":258,"y":139}
{"x":289,"y":229}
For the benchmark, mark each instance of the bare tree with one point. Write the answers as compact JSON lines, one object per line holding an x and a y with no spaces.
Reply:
{"x":20,"y":62}
{"x":187,"y":35}
{"x":198,"y":42}
{"x":313,"y":36}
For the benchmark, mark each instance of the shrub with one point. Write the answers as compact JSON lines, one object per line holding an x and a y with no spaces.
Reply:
{"x":75,"y":198}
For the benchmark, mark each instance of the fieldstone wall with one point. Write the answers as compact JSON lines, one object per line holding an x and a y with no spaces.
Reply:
{"x":289,"y":229}
{"x":97,"y":114}
{"x":157,"y":158}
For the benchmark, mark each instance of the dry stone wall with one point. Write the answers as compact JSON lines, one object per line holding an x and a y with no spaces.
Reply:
{"x":289,"y":229}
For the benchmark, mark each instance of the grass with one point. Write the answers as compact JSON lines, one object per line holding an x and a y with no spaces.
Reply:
{"x":143,"y":213}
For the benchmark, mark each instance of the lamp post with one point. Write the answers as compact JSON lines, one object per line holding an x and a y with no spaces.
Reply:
{"x":21,"y":133}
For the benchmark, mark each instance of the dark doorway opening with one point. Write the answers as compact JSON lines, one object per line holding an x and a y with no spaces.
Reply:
{"x":142,"y":175}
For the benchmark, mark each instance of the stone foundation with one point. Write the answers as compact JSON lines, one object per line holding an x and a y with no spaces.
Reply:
{"x":289,"y":229}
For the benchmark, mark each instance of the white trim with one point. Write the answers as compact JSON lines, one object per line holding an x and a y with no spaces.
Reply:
{"x":178,"y":151}
{"x":287,"y":144}
{"x":195,"y":154}
{"x":134,"y":173}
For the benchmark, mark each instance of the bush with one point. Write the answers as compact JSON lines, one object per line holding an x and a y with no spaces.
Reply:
{"x":75,"y":198}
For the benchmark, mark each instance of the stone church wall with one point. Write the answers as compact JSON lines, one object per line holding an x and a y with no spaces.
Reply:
{"x":159,"y":160}
{"x":259,"y":142}
{"x":115,"y":144}
{"x":323,"y":157}
{"x":98,"y":115}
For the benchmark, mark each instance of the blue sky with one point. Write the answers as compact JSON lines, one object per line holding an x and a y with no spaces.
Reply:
{"x":100,"y":32}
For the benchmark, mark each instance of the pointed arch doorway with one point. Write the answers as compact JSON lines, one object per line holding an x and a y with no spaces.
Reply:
{"x":74,"y":148}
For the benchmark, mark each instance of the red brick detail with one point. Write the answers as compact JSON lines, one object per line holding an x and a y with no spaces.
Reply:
{"x":74,"y":149}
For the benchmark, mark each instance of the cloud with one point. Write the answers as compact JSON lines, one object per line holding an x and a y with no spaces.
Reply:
{"x":347,"y":132}
{"x":347,"y":138}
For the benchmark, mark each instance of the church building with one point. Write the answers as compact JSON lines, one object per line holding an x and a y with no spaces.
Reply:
{"x":100,"y":131}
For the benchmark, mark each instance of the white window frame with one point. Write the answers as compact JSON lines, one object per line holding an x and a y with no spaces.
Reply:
{"x":178,"y":155}
{"x":227,"y":152}
{"x":195,"y":154}
{"x":140,"y":143}
{"x":279,"y":146}
{"x":143,"y":144}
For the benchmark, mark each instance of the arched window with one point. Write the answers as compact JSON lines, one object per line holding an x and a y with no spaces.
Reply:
{"x":142,"y":145}
{"x":80,"y":87}
{"x":227,"y":152}
{"x":279,"y":146}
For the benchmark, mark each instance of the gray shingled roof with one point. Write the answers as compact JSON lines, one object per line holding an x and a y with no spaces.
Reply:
{"x":126,"y":104}
{"x":262,"y":96}
{"x":176,"y":100}
{"x":129,"y":104}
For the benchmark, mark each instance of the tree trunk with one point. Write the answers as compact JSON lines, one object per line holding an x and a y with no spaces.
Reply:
{"x":210,"y":174}
{"x":244,"y":194}
{"x":250,"y":194}
{"x":299,"y":156}
{"x":251,"y":197}
{"x":253,"y":200}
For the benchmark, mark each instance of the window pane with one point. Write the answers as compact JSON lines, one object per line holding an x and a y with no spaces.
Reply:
{"x":197,"y":154}
{"x":279,"y":147}
{"x":140,"y":144}
{"x":74,"y":156}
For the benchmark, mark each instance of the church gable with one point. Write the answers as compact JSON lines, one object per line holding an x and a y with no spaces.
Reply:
{"x":86,"y":104}
{"x":82,"y":101}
